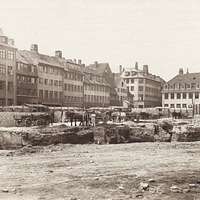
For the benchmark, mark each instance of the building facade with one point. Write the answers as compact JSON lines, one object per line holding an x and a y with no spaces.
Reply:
{"x":7,"y":71}
{"x":96,"y":89}
{"x":182,"y":92}
{"x":145,"y":87}
{"x":121,"y":89}
{"x":26,"y":80}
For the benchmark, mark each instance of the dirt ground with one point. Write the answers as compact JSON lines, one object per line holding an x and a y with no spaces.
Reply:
{"x":111,"y":172}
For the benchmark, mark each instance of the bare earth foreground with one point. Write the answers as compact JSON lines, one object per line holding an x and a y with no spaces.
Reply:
{"x":102,"y":172}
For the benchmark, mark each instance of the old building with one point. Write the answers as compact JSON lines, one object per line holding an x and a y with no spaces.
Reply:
{"x":72,"y":83}
{"x":120,"y":88}
{"x":26,"y":80}
{"x":7,"y":71}
{"x":96,"y":89}
{"x":104,"y":70}
{"x":144,"y":86}
{"x":182,"y":92}
{"x":50,"y":77}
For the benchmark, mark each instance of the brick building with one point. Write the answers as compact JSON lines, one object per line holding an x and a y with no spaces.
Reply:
{"x":7,"y":71}
{"x":182,"y":92}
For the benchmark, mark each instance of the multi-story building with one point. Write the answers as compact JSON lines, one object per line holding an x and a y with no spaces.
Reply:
{"x":182,"y":92}
{"x":73,"y":84}
{"x":26,"y":80}
{"x":7,"y":71}
{"x":96,"y":89}
{"x":50,"y":76}
{"x":121,"y":89}
{"x":104,"y":70}
{"x":145,"y":87}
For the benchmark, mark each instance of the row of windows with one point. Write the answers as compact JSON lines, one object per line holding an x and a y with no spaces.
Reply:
{"x":73,"y":99}
{"x":50,"y":70}
{"x":27,"y":92}
{"x":96,"y":88}
{"x":73,"y":88}
{"x":132,"y":80}
{"x":95,"y":98}
{"x":73,"y":76}
{"x":3,"y":85}
{"x":122,"y":90}
{"x":50,"y":82}
{"x":46,"y":94}
{"x":177,"y":105}
{"x":26,"y":79}
{"x":7,"y":54}
{"x":184,"y":95}
{"x":3,"y":69}
{"x":183,"y":86}
{"x":26,"y":68}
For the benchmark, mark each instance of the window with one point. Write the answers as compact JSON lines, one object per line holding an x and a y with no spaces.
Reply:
{"x":184,"y":105}
{"x":140,"y":88}
{"x":55,"y":82}
{"x":196,"y":95}
{"x":10,"y":55}
{"x":127,"y":80}
{"x":2,"y":54}
{"x":190,"y":95}
{"x":132,"y":88}
{"x":46,"y":81}
{"x":166,"y":96}
{"x":172,"y":95}
{"x":178,"y":105}
{"x":132,"y":80}
{"x":184,"y":95}
{"x":41,"y":94}
{"x":2,"y":69}
{"x":10,"y":70}
{"x":178,"y":95}
{"x":141,"y":80}
{"x":171,"y":105}
{"x":166,"y":105}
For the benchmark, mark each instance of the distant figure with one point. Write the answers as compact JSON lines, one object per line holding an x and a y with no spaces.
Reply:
{"x":71,"y":119}
{"x":52,"y":116}
{"x":93,"y":119}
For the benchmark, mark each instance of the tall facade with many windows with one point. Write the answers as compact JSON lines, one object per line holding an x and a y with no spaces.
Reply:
{"x":182,"y":92}
{"x":7,"y":71}
{"x":145,"y":87}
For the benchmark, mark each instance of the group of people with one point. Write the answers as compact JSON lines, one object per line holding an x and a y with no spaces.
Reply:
{"x":84,"y":119}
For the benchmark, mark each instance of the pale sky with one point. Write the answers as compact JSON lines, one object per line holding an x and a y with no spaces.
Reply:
{"x":165,"y":34}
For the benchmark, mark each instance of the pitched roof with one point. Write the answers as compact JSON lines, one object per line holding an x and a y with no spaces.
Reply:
{"x":186,"y":78}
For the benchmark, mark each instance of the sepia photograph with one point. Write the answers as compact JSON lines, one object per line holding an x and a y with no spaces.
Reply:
{"x":99,"y":100}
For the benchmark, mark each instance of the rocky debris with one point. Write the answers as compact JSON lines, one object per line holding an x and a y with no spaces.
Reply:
{"x":144,"y":186}
{"x":186,"y":133}
{"x":175,"y":189}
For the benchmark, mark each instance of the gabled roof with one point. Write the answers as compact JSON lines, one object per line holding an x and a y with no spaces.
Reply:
{"x":100,"y":68}
{"x":185,"y":78}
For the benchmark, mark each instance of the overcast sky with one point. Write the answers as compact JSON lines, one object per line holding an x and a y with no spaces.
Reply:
{"x":165,"y":34}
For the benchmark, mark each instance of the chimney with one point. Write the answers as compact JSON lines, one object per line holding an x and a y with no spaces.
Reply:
{"x":79,"y":61}
{"x":120,"y":69}
{"x":136,"y":65}
{"x":74,"y":60}
{"x":145,"y":69}
{"x":34,"y":48}
{"x":58,"y":54}
{"x":187,"y":71}
{"x":95,"y":63}
{"x":180,"y":71}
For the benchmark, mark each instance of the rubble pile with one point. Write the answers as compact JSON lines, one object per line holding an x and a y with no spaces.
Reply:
{"x":160,"y":131}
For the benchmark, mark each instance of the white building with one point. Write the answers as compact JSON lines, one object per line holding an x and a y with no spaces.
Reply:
{"x":145,"y":87}
{"x":182,"y":92}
